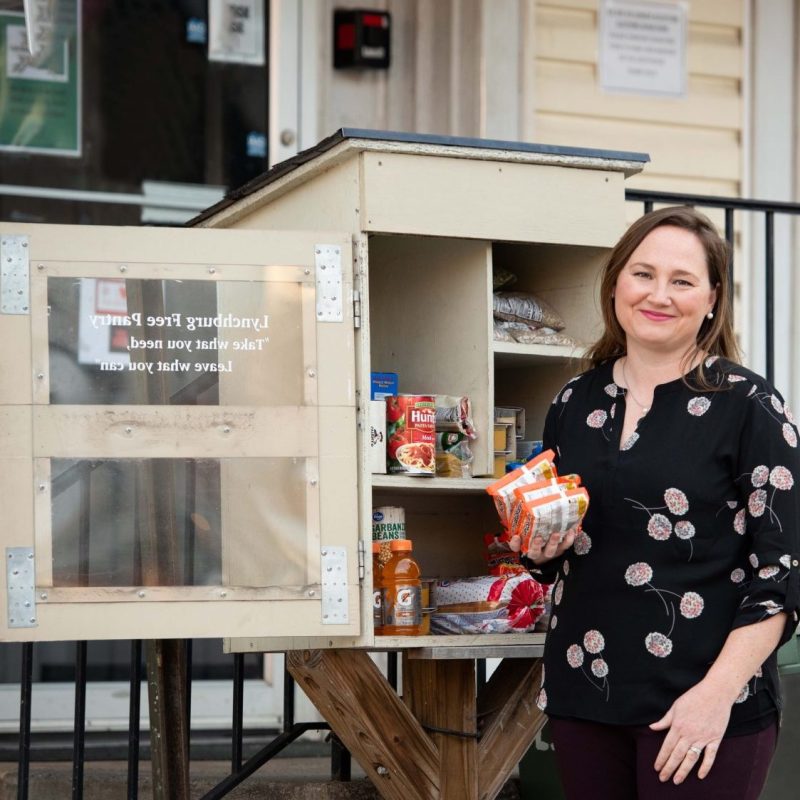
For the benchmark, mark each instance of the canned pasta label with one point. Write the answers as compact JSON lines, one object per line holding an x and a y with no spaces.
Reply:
{"x":411,"y":434}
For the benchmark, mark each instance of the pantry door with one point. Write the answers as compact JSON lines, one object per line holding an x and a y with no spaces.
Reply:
{"x":177,"y":434}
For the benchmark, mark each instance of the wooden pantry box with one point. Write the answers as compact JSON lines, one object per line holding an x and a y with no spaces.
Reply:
{"x":184,"y":412}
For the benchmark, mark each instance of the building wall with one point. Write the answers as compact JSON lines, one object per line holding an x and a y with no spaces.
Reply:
{"x":695,"y":142}
{"x":527,"y":69}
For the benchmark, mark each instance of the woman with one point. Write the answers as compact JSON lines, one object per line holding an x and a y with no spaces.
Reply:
{"x":660,"y":668}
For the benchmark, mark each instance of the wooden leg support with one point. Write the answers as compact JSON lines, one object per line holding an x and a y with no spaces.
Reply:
{"x":371,"y":720}
{"x":443,"y":742}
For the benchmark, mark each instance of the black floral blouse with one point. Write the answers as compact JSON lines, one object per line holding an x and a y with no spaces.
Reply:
{"x":692,"y":530}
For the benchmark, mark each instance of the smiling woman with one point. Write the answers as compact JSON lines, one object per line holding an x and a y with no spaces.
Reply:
{"x":664,"y":292}
{"x":687,"y":562}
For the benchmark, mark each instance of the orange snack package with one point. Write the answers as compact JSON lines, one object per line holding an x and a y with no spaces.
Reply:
{"x":536,"y":470}
{"x":552,"y":514}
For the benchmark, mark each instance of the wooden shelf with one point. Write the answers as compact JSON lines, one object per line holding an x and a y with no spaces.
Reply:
{"x":513,"y":354}
{"x":405,"y":484}
{"x":487,"y":645}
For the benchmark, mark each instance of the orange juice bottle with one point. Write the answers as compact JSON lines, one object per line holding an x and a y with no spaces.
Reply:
{"x":402,"y":595}
{"x":377,"y":589}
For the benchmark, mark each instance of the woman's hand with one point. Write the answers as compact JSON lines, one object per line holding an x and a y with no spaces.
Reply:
{"x":539,"y":552}
{"x":696,"y":721}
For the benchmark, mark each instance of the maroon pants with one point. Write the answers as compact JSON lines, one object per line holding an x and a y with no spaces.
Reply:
{"x":615,"y":762}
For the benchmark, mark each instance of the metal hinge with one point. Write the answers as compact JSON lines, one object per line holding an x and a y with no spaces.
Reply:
{"x":328,"y":261}
{"x":333,"y":565}
{"x":362,"y":561}
{"x":356,"y":308}
{"x":14,"y":275}
{"x":21,"y":587}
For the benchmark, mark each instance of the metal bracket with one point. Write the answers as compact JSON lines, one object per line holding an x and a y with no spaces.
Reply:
{"x":21,"y":587}
{"x":334,"y":586}
{"x":328,"y":261}
{"x":14,"y":275}
{"x":362,"y":560}
{"x":356,"y":308}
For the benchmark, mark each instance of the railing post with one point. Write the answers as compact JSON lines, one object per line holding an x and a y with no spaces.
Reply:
{"x":730,"y":236}
{"x":25,"y":693}
{"x":769,"y":290}
{"x":237,"y":733}
{"x":79,"y":727}
{"x":133,"y":719}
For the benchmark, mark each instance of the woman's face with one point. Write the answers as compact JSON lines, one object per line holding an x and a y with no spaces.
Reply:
{"x":663,"y":293}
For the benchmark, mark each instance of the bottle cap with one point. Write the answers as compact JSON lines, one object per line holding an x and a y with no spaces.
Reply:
{"x":400,"y":544}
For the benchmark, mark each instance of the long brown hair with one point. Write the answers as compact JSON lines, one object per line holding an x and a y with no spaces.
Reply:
{"x":715,"y":337}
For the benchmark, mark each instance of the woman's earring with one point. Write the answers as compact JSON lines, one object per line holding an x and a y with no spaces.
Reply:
{"x":710,"y":315}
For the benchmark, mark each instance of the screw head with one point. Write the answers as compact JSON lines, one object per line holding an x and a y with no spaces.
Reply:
{"x":311,"y":593}
{"x":141,"y":593}
{"x":43,"y":596}
{"x":40,"y":376}
{"x":123,"y":268}
{"x":211,"y":270}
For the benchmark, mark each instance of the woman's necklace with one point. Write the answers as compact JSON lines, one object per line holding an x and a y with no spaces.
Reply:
{"x":644,"y":408}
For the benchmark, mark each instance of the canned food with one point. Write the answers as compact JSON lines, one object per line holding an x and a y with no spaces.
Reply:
{"x":388,"y":522}
{"x":411,"y":434}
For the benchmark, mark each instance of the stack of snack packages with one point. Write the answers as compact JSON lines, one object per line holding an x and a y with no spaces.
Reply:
{"x":534,"y":500}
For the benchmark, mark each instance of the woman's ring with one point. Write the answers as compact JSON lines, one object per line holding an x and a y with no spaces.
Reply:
{"x":696,"y":750}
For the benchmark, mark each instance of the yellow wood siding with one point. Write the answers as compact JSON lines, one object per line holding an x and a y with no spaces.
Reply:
{"x":695,"y":142}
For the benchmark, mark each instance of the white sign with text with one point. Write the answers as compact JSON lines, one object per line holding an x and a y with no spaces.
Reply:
{"x":643,"y":47}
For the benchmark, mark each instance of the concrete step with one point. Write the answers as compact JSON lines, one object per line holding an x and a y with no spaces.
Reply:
{"x":279,"y":779}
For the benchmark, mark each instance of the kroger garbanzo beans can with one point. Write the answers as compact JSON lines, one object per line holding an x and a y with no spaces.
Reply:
{"x":388,"y":522}
{"x":411,"y":434}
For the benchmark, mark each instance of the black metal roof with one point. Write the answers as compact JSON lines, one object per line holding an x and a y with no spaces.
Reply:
{"x":284,"y":167}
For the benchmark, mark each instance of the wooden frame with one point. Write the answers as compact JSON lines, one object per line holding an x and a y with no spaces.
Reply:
{"x":319,"y":433}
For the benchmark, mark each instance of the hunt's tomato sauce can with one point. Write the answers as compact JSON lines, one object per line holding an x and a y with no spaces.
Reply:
{"x":411,"y":434}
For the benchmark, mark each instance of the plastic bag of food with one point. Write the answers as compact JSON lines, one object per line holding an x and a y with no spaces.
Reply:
{"x":502,"y":491}
{"x":528,"y":308}
{"x":502,"y":277}
{"x":528,"y":335}
{"x":454,"y":413}
{"x":553,"y":514}
{"x":502,"y":331}
{"x":501,"y":551}
{"x":453,"y":455}
{"x":513,"y":605}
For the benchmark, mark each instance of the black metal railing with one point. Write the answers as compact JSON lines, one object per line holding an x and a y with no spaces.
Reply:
{"x":241,"y":769}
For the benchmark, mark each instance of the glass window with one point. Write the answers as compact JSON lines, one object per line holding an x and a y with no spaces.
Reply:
{"x":180,"y":522}
{"x":174,"y":342}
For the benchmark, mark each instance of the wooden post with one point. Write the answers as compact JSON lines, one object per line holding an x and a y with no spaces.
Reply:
{"x":158,"y":540}
{"x":371,"y":720}
{"x":507,"y":707}
{"x":441,"y":695}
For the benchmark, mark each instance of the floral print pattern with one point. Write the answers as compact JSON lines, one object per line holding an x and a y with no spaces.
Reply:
{"x":698,"y":406}
{"x":593,"y":643}
{"x":663,"y":506}
{"x":658,"y":644}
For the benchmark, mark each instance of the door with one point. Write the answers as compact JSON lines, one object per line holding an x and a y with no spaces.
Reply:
{"x":177,"y":417}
